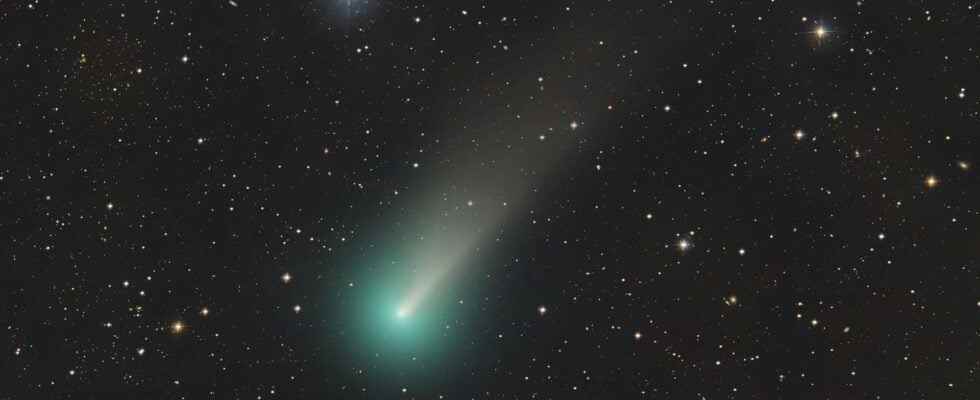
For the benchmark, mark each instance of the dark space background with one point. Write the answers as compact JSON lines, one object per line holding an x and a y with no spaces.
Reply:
{"x":718,"y":199}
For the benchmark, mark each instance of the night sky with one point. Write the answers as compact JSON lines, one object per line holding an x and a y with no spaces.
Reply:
{"x":379,"y":199}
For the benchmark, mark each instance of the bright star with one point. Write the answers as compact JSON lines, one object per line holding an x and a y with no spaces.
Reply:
{"x":683,"y":244}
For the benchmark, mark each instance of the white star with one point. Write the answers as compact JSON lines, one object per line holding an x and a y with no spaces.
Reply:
{"x":683,"y":244}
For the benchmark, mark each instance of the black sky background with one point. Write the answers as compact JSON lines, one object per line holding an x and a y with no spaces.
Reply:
{"x":279,"y":145}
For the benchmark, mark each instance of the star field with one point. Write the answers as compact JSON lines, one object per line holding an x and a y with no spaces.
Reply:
{"x":373,"y":199}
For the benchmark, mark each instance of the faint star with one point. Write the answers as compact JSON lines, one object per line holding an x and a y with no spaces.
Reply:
{"x":286,"y":277}
{"x":296,"y":309}
{"x":799,"y":135}
{"x":573,"y":125}
{"x":542,"y":310}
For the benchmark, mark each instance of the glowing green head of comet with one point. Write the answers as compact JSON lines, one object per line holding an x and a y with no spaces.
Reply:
{"x":410,"y":302}
{"x":397,"y":321}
